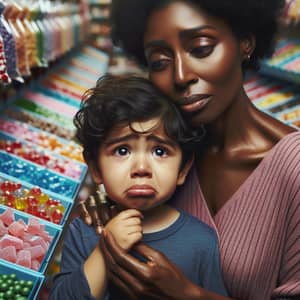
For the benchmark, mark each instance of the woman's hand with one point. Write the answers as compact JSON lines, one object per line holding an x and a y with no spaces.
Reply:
{"x":156,"y":278}
{"x":126,"y":228}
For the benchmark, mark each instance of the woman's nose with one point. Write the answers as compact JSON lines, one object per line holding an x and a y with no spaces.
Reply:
{"x":184,"y":73}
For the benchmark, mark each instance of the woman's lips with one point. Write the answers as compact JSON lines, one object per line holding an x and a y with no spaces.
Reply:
{"x":141,"y":191}
{"x":195,"y":103}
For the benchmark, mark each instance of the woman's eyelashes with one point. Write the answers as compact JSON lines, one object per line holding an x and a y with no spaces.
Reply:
{"x":158,"y":63}
{"x":202,"y":51}
{"x":156,"y":66}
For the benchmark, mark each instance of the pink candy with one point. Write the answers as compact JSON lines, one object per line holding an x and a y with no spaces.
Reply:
{"x":17,"y":228}
{"x":10,"y":240}
{"x":9,"y":253}
{"x":24,"y":258}
{"x":21,"y":243}
{"x":7,"y":217}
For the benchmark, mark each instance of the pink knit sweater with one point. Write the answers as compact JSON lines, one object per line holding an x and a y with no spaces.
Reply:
{"x":259,"y":227}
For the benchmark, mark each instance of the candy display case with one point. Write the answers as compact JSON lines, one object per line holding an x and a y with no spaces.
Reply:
{"x":41,"y":164}
{"x":38,"y":121}
{"x":42,"y":168}
{"x":20,"y":278}
{"x":24,"y":170}
{"x":26,"y":240}
{"x":31,"y":152}
{"x":49,"y":141}
{"x":280,"y":99}
{"x":285,"y":62}
{"x":40,"y":111}
{"x":33,"y":200}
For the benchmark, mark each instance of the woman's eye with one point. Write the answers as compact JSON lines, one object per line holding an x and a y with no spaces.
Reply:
{"x":159,"y":151}
{"x":121,"y":151}
{"x":202,"y":51}
{"x":157,"y":65}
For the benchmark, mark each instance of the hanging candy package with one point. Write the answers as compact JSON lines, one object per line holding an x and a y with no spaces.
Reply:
{"x":9,"y":48}
{"x":30,"y":38}
{"x":40,"y":36}
{"x":11,"y":14}
{"x":4,"y":77}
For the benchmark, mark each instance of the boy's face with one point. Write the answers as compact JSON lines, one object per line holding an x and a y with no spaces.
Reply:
{"x":140,"y":170}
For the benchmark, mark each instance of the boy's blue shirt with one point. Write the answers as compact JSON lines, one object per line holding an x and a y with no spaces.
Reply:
{"x":188,"y":242}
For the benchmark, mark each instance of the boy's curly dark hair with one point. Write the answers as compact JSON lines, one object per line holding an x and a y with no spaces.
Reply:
{"x":122,"y":100}
{"x":245,"y":17}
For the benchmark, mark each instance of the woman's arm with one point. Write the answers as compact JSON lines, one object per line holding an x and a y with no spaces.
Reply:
{"x":158,"y":278}
{"x":289,"y":281}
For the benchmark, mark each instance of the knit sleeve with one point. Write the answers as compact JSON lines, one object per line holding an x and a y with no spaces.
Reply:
{"x":289,"y":277}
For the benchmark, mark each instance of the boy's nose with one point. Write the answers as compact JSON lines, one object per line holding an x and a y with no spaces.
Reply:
{"x":141,"y":167}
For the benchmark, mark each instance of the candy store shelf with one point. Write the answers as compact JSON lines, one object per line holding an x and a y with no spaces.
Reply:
{"x":280,"y":99}
{"x":36,"y":184}
{"x":285,"y":62}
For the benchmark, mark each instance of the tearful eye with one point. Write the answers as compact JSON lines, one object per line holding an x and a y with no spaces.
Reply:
{"x":121,"y":151}
{"x":158,"y":151}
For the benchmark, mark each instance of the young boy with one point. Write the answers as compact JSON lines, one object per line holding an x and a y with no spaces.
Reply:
{"x":137,"y":145}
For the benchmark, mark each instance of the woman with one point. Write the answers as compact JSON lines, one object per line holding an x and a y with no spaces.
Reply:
{"x":246,"y":179}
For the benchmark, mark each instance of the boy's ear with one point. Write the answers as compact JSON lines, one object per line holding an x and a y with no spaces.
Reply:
{"x":95,"y":173}
{"x":184,"y":171}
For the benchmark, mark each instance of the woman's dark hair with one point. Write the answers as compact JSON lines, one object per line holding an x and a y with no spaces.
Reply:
{"x":122,"y":100}
{"x":245,"y":17}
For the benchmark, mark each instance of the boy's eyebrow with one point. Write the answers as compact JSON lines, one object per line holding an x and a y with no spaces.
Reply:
{"x":160,"y":140}
{"x":123,"y":138}
{"x":153,"y":137}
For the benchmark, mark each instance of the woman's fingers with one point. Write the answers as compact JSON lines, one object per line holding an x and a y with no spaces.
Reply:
{"x":148,"y":253}
{"x":151,"y":276}
{"x":113,"y":272}
{"x":121,"y":279}
{"x":122,"y":259}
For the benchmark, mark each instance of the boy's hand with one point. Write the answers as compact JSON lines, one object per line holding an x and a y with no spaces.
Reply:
{"x":126,"y":228}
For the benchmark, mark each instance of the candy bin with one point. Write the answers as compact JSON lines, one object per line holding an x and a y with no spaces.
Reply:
{"x":34,"y":200}
{"x":37,"y":175}
{"x":18,"y":283}
{"x":25,"y":240}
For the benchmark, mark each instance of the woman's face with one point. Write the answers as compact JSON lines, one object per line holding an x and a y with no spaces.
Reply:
{"x":195,"y":59}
